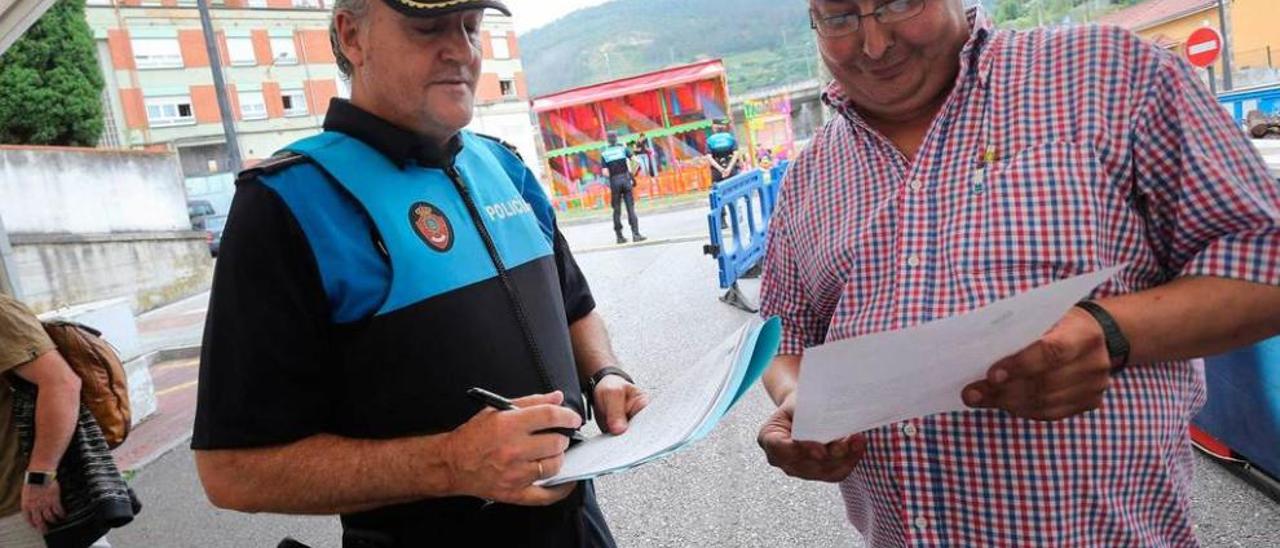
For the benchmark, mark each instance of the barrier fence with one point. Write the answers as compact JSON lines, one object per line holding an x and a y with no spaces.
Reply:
{"x":741,"y":208}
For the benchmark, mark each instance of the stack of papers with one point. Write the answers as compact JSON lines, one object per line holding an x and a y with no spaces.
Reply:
{"x":683,"y":412}
{"x":855,"y":385}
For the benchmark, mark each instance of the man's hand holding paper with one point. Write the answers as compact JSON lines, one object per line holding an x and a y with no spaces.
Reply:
{"x":855,"y":385}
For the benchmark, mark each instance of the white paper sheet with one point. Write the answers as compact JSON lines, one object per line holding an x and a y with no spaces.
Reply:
{"x":686,"y":409}
{"x":858,"y":384}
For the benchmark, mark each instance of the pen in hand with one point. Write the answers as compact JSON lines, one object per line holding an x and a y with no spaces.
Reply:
{"x":503,"y":404}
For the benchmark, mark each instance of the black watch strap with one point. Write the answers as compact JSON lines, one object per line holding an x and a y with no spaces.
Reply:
{"x":589,"y":391}
{"x":1117,"y":343}
{"x":605,"y":372}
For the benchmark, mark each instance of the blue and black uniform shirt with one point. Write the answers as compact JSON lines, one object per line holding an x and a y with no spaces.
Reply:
{"x":310,"y":332}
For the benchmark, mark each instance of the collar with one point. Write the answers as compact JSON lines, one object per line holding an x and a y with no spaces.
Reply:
{"x":400,"y":145}
{"x":971,"y":56}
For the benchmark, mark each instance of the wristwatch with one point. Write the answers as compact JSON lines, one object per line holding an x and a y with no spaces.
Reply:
{"x":40,"y":478}
{"x":605,"y":372}
{"x":590,"y":390}
{"x":1117,"y":343}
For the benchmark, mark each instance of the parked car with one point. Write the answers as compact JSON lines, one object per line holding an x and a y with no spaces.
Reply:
{"x":198,"y":211}
{"x":213,"y":231}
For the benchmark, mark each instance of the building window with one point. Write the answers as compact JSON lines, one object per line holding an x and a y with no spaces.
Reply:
{"x":283,"y":52}
{"x":252,"y":105}
{"x":508,"y":87}
{"x":170,"y":111}
{"x":241,"y":52}
{"x":156,"y":53}
{"x":98,"y":2}
{"x":295,"y":102}
{"x":501,"y":48}
{"x":307,"y":4}
{"x":257,"y":3}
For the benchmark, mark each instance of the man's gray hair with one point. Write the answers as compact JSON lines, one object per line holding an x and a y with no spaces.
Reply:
{"x":358,"y":9}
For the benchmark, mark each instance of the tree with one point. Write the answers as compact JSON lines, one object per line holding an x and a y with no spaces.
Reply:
{"x":50,"y":84}
{"x":1008,"y":10}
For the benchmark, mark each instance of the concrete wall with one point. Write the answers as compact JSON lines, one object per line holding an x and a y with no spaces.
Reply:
{"x":88,"y":225}
{"x":85,"y":191}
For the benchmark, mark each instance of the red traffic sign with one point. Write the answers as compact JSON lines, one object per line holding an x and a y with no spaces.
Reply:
{"x":1204,"y":46}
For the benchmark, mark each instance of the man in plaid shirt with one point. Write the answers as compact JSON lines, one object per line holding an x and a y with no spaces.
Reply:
{"x":968,"y":165}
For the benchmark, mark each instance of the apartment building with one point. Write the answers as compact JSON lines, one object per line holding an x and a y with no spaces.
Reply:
{"x":280,"y":74}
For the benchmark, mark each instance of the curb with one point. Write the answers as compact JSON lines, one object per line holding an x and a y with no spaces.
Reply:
{"x":178,"y":353}
{"x":161,"y":451}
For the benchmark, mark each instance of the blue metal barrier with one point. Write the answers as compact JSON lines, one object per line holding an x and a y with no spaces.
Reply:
{"x":745,"y":199}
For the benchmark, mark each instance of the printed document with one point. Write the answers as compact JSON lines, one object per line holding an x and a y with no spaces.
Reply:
{"x":858,"y":384}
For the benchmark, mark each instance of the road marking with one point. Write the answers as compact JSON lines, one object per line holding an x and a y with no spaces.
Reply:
{"x":663,"y":241}
{"x":173,"y":389}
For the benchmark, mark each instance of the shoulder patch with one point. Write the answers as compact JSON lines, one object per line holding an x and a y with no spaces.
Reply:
{"x":508,"y":146}
{"x":275,"y":164}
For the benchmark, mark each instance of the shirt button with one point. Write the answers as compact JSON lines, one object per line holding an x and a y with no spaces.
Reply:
{"x":921,"y":523}
{"x":913,"y":261}
{"x":916,"y":185}
{"x":910,"y":430}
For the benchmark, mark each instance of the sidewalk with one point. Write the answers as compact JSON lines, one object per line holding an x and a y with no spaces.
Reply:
{"x":175,"y":331}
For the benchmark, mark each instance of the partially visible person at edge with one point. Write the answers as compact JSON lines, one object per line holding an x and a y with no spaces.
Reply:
{"x":30,"y":497}
{"x":618,"y":167}
{"x":969,"y":164}
{"x":372,"y":274}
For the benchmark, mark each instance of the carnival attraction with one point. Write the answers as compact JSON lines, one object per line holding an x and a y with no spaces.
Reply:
{"x":770,"y":136}
{"x":665,"y":116}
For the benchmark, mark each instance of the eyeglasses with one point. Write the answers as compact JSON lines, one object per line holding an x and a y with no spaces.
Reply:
{"x":845,"y":24}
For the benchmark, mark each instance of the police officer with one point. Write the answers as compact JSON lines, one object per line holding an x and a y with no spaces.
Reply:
{"x":371,"y":275}
{"x":617,"y":164}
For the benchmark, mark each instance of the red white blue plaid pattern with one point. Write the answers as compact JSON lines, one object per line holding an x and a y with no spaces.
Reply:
{"x":1110,"y":152}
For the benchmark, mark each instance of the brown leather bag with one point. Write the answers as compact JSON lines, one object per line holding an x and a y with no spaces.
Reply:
{"x":104,"y":387}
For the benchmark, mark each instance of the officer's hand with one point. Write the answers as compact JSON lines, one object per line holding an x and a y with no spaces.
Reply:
{"x":831,"y":462}
{"x":497,"y":455}
{"x":1065,"y":373}
{"x":616,"y":402}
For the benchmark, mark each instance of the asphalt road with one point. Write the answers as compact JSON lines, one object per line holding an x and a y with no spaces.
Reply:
{"x":661,"y":306}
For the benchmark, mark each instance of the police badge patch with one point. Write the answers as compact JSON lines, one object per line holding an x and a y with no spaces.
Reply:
{"x":432,"y":226}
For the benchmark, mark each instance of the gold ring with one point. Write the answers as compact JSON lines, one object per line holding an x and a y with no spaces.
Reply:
{"x":540,"y":472}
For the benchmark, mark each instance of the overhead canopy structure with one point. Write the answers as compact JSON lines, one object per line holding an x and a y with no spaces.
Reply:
{"x":17,"y":17}
{"x":706,"y":70}
{"x":672,"y":108}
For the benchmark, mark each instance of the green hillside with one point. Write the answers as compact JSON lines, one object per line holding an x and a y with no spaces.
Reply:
{"x":764,"y":42}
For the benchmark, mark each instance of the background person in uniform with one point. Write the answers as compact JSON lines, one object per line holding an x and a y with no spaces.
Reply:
{"x":618,"y":166}
{"x":968,"y":165}
{"x":30,"y":497}
{"x":372,"y":274}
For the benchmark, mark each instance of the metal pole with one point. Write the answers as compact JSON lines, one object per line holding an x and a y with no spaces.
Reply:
{"x":9,"y":284}
{"x":220,"y":87}
{"x":1224,"y":26}
{"x":1213,"y":86}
